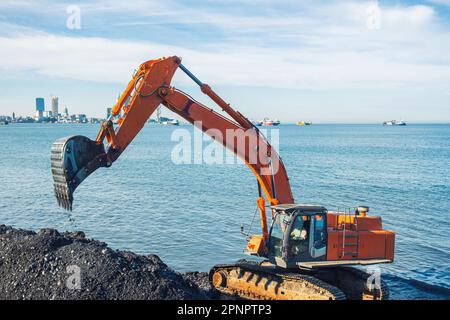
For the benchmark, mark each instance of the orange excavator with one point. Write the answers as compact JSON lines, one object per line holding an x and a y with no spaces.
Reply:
{"x":308,"y":251}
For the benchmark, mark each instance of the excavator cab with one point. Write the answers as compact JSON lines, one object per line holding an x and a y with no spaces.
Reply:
{"x":298,"y":234}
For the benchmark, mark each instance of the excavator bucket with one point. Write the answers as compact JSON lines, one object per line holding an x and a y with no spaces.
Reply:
{"x":72,"y":160}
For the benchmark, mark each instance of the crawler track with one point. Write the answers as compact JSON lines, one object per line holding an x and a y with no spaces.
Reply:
{"x":354,"y":283}
{"x":250,"y":280}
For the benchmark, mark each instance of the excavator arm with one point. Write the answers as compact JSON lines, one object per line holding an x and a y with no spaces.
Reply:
{"x":74,"y":158}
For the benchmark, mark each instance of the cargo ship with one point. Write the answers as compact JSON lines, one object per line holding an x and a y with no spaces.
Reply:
{"x":304,"y":123}
{"x":170,"y":122}
{"x":394,"y":123}
{"x":268,"y":122}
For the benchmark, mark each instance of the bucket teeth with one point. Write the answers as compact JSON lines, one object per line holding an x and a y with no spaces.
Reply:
{"x":63,"y":195}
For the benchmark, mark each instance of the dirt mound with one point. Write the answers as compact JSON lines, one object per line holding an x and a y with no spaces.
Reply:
{"x":53,"y":265}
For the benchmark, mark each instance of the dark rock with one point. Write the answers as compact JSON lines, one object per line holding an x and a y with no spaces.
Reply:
{"x":201,"y":280}
{"x":45,"y":265}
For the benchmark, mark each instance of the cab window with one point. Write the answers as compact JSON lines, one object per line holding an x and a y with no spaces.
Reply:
{"x":319,"y":231}
{"x":276,"y":236}
{"x":299,"y":235}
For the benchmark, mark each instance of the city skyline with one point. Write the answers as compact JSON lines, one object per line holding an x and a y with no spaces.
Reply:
{"x":49,"y":113}
{"x":359,"y":61}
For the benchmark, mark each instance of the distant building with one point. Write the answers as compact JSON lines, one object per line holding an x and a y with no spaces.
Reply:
{"x":40,"y":107}
{"x":108,"y":112}
{"x":66,"y":111}
{"x":81,"y":118}
{"x":55,"y":106}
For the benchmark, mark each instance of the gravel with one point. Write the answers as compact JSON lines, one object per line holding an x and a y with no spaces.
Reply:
{"x":53,"y":265}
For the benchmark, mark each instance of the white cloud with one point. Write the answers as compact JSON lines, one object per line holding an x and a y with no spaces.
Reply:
{"x":413,"y":16}
{"x":16,"y":3}
{"x":321,"y":47}
{"x":103,"y":60}
{"x":440,"y":2}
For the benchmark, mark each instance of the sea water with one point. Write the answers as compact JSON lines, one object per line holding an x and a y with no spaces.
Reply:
{"x":190,"y":214}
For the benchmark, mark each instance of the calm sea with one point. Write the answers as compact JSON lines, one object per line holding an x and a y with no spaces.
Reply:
{"x":190,"y":215}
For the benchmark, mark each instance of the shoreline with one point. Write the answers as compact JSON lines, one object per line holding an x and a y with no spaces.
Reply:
{"x":45,"y":264}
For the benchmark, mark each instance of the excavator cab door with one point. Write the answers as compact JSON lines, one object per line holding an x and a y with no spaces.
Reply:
{"x":318,"y":238}
{"x":277,"y":252}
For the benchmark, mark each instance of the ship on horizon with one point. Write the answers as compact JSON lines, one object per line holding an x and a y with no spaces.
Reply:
{"x":164,"y":120}
{"x":169,"y":122}
{"x":267,"y":122}
{"x":394,"y":123}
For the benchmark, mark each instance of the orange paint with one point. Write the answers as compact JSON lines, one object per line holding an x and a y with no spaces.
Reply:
{"x":349,"y":236}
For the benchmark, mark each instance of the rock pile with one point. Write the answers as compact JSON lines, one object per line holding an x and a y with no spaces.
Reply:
{"x":53,"y":265}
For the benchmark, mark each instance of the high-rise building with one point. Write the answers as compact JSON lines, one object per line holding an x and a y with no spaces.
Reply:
{"x":40,"y":107}
{"x":66,"y":111}
{"x":55,"y":106}
{"x":108,"y":112}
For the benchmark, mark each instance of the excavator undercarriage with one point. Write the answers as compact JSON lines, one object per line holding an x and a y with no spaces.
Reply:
{"x":263,"y":281}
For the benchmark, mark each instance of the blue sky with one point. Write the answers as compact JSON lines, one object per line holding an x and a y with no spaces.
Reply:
{"x":322,"y":61}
